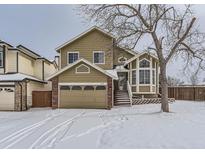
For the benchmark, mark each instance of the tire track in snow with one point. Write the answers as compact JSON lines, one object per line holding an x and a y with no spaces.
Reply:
{"x":49,"y":138}
{"x":21,"y":134}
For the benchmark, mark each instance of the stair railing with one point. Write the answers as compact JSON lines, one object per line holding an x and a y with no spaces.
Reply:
{"x":129,"y":89}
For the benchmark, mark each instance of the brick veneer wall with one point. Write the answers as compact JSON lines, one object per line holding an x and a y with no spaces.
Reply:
{"x":55,"y":92}
{"x":20,"y":103}
{"x":109,"y":93}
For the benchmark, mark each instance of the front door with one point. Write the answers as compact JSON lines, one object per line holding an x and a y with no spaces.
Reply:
{"x":122,"y":82}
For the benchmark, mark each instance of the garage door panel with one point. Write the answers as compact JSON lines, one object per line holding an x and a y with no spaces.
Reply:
{"x":7,"y":98}
{"x":83,"y":99}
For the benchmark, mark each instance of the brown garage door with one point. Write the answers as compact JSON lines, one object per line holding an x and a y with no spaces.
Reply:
{"x":41,"y":99}
{"x":83,"y":97}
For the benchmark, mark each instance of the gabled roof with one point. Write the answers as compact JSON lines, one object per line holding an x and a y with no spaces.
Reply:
{"x":128,"y":50}
{"x":140,"y":54}
{"x":27,"y":50}
{"x":82,"y":34}
{"x":106,"y":72}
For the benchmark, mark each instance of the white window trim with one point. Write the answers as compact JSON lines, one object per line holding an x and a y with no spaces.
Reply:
{"x":76,"y":69}
{"x":120,"y":58}
{"x":145,"y":67}
{"x":72,"y":52}
{"x":94,"y":56}
{"x":2,"y":56}
{"x":149,"y":78}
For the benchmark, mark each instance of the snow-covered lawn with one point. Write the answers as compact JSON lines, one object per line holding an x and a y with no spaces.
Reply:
{"x":140,"y":126}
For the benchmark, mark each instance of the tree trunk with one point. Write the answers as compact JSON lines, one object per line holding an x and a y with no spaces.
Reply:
{"x":164,"y":88}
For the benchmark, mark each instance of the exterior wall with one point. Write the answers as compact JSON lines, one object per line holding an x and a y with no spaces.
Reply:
{"x":71,"y":76}
{"x":109,"y":93}
{"x":49,"y":69}
{"x":33,"y":86}
{"x":26,"y":64}
{"x":118,"y":52}
{"x":20,"y":96}
{"x":55,"y":93}
{"x":92,"y":41}
{"x":38,"y":66}
{"x":11,"y":61}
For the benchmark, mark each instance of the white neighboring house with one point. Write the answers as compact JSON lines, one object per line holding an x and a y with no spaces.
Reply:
{"x":21,"y":72}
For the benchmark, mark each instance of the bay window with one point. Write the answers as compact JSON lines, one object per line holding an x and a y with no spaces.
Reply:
{"x":144,"y":76}
{"x":133,"y":77}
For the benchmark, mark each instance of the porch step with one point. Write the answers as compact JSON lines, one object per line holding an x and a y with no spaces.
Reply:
{"x":121,"y":98}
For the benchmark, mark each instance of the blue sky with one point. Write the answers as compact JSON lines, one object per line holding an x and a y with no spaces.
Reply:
{"x":43,"y":27}
{"x":40,"y":27}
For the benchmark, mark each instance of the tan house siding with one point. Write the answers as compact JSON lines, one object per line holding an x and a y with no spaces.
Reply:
{"x":11,"y":61}
{"x":49,"y":69}
{"x":118,"y":52}
{"x":71,"y":76}
{"x":38,"y":69}
{"x":26,"y":64}
{"x":144,"y":88}
{"x":92,"y":41}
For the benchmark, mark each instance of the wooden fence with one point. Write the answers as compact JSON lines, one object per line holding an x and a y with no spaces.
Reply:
{"x":194,"y":93}
{"x":41,"y":98}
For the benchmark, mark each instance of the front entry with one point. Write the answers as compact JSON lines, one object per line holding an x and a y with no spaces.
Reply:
{"x":122,"y":82}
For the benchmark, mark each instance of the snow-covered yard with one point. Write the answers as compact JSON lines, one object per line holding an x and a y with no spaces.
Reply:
{"x":140,"y":126}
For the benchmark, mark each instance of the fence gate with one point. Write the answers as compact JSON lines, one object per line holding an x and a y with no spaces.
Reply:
{"x":41,"y":98}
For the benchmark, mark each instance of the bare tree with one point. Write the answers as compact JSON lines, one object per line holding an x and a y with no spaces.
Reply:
{"x":173,"y":81}
{"x":172,"y":31}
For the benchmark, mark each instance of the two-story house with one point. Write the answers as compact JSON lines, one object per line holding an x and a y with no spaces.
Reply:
{"x":21,"y":72}
{"x":96,"y":73}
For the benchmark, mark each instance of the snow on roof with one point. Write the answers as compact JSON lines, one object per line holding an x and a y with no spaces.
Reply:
{"x":17,"y":77}
{"x":113,"y":73}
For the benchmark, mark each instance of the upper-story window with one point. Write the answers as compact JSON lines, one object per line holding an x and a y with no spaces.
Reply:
{"x":72,"y":57}
{"x":144,"y":63}
{"x":144,"y":72}
{"x":1,"y":57}
{"x":99,"y":57}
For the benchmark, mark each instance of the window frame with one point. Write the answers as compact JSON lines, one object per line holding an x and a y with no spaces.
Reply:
{"x":144,"y":78}
{"x":94,"y":56}
{"x":145,"y":60}
{"x":2,"y":61}
{"x":135,"y":77}
{"x":70,"y":52}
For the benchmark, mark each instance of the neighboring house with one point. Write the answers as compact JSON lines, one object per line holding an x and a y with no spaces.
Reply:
{"x":21,"y":72}
{"x":95,"y":73}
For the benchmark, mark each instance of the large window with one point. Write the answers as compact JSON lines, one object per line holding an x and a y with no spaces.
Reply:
{"x":1,"y":59}
{"x":144,"y":63}
{"x":133,"y":77}
{"x":144,"y":76}
{"x":72,"y":57}
{"x":99,"y":57}
{"x":153,"y":76}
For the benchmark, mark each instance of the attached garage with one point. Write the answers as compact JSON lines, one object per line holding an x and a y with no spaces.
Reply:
{"x":83,"y":85}
{"x":83,"y":96}
{"x":7,"y":95}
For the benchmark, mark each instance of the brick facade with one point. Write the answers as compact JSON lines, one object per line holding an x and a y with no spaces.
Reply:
{"x":20,"y":96}
{"x":55,"y":92}
{"x":109,"y":93}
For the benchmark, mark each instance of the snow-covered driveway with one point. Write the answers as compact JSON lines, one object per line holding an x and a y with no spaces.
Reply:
{"x":141,"y":126}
